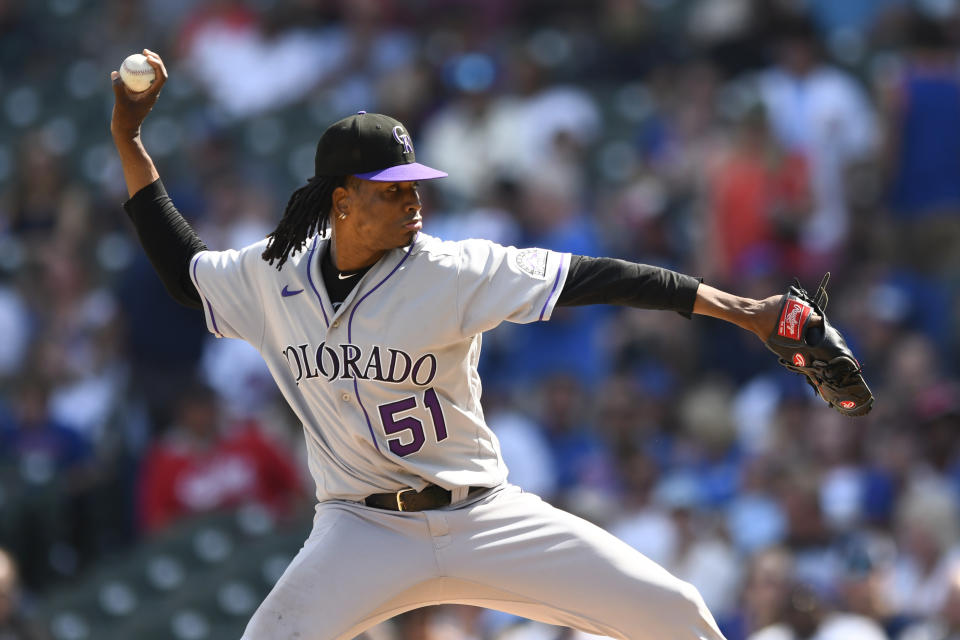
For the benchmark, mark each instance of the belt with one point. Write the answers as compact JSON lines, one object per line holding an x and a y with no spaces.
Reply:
{"x":432,"y":497}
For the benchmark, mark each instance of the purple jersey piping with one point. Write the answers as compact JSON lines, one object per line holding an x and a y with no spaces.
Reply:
{"x":556,"y":282}
{"x":356,"y":389}
{"x":313,"y":286}
{"x":213,"y":318}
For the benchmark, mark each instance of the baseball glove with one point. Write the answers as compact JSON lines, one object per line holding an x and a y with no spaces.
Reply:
{"x":819,"y":352}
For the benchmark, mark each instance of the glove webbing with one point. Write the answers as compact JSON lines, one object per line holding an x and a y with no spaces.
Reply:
{"x":818,"y":366}
{"x":819,"y":300}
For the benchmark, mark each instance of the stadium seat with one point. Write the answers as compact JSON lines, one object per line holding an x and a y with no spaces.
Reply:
{"x":200,"y":580}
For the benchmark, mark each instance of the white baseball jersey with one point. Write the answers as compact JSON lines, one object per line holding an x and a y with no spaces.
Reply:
{"x":386,"y":385}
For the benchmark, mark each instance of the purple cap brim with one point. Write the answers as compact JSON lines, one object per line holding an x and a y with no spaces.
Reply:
{"x":403,"y":173}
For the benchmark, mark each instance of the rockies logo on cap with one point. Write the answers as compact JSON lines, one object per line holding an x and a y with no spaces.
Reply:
{"x":403,"y":138}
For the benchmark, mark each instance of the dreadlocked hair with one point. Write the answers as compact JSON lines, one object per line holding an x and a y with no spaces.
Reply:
{"x":307,"y":212}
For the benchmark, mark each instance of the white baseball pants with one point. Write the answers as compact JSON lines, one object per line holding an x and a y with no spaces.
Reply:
{"x":504,"y":549}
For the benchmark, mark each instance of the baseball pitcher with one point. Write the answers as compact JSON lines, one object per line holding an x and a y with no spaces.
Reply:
{"x":372,"y":330}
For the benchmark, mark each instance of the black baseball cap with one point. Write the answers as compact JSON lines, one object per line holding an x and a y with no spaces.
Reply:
{"x":371,"y":146}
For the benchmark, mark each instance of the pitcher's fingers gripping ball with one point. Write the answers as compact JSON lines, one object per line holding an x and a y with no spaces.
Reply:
{"x":819,"y":352}
{"x":137,"y":73}
{"x":131,"y":107}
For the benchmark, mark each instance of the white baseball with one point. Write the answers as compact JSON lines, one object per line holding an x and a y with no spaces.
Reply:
{"x":137,"y":73}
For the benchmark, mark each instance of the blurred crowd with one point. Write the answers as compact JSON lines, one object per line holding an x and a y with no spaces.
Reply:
{"x":744,"y":141}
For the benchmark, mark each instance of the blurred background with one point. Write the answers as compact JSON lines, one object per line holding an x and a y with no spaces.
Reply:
{"x":153,"y":484}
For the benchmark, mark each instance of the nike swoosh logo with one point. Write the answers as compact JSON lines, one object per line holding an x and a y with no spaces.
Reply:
{"x":286,"y":293}
{"x":343,"y":277}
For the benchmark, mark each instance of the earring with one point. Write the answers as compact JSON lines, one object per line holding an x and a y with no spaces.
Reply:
{"x":342,"y":216}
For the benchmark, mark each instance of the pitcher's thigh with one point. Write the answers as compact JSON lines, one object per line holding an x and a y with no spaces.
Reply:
{"x":355,"y":561}
{"x":527,"y":550}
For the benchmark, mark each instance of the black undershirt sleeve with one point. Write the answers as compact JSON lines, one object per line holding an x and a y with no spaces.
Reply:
{"x":168,"y":240}
{"x":613,"y":281}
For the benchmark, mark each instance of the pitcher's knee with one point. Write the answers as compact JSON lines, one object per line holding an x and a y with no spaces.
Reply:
{"x":690,"y":593}
{"x":682,"y":613}
{"x":693,"y":608}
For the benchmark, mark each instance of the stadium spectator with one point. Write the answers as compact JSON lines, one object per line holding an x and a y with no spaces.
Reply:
{"x":41,"y":446}
{"x":14,"y":326}
{"x":525,"y":448}
{"x":820,"y":111}
{"x":36,"y":197}
{"x":805,"y":614}
{"x":200,"y":465}
{"x":927,"y":530}
{"x":51,"y":475}
{"x":162,"y":342}
{"x":945,"y":625}
{"x":14,"y":625}
{"x":921,"y":108}
{"x":759,"y":199}
{"x":583,"y":462}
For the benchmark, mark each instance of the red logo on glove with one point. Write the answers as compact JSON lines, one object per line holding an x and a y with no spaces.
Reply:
{"x":798,"y":360}
{"x":792,"y":319}
{"x":848,"y":404}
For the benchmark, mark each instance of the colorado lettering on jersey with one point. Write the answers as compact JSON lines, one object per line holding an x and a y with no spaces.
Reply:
{"x":348,"y":361}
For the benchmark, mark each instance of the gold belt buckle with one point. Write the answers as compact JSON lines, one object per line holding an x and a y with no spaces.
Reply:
{"x":400,"y":499}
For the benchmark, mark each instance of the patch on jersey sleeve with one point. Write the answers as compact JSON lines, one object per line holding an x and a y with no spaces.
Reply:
{"x":533,"y":261}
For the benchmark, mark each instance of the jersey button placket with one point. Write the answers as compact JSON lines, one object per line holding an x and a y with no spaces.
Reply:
{"x":345,"y":396}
